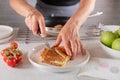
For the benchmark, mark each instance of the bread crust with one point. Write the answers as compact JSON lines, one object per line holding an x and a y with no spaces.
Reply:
{"x":56,"y":56}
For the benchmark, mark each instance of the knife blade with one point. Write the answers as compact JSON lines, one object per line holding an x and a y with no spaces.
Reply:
{"x":44,"y":39}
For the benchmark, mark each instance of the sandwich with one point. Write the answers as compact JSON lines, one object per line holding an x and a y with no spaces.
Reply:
{"x":55,"y":56}
{"x":58,"y":26}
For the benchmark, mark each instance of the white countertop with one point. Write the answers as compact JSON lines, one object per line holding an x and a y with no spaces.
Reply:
{"x":26,"y":71}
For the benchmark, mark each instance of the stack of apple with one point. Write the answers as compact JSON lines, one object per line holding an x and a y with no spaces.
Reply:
{"x":111,"y":39}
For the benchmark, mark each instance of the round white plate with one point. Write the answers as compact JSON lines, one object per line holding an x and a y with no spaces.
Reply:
{"x":6,"y":39}
{"x":52,"y":31}
{"x":5,"y":31}
{"x":34,"y":58}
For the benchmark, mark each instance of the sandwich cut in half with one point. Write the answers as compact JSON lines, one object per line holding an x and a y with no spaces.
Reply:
{"x":56,"y":56}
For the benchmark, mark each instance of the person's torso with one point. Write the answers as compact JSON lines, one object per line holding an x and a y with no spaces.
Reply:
{"x":60,"y":2}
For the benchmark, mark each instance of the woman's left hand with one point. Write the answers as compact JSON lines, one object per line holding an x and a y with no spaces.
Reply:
{"x":69,"y":35}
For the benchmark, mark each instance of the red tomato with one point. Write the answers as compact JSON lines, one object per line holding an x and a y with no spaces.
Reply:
{"x":18,"y":55}
{"x":2,"y":52}
{"x":14,"y":45}
{"x":11,"y":61}
{"x":5,"y":52}
{"x":12,"y":55}
{"x":19,"y":58}
{"x":5,"y":58}
{"x":18,"y":52}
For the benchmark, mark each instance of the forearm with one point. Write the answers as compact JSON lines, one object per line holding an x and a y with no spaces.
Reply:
{"x":84,"y":10}
{"x":22,"y":7}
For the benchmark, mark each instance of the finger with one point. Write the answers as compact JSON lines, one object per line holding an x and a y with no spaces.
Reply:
{"x":81,"y":48}
{"x":78,"y":47}
{"x":73,"y":48}
{"x":42,"y":27}
{"x":28,"y":22}
{"x":84,"y":52}
{"x":67,"y":47}
{"x":58,"y":41}
{"x":34,"y":25}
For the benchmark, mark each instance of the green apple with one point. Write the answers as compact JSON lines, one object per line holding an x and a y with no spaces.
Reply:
{"x":116,"y":44}
{"x":107,"y":37}
{"x":119,"y":32}
{"x":116,"y":33}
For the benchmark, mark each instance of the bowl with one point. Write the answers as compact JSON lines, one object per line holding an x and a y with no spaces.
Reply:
{"x":113,"y":53}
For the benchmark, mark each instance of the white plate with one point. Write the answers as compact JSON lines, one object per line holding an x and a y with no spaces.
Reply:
{"x":110,"y":27}
{"x":5,"y":31}
{"x":7,"y":39}
{"x":34,"y":58}
{"x":52,"y":31}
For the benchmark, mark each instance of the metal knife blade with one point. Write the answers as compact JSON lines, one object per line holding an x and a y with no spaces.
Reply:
{"x":44,"y":39}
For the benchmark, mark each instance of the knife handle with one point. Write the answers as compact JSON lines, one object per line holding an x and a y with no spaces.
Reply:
{"x":39,"y":32}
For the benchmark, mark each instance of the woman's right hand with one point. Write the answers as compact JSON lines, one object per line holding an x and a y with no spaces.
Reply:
{"x":34,"y":21}
{"x":33,"y":18}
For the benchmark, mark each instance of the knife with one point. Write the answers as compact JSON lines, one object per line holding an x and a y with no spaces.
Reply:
{"x":43,"y":38}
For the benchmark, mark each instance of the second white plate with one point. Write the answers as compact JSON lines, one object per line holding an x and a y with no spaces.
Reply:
{"x":5,"y":31}
{"x":7,"y":39}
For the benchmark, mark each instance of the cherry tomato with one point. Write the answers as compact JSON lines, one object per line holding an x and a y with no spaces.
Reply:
{"x":5,"y":52}
{"x":2,"y":52}
{"x":12,"y":55}
{"x":14,"y":45}
{"x":19,"y":58}
{"x":18,"y":55}
{"x":18,"y":52}
{"x":11,"y":61}
{"x":5,"y":58}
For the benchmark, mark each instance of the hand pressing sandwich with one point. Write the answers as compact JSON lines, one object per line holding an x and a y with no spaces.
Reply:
{"x":56,"y":56}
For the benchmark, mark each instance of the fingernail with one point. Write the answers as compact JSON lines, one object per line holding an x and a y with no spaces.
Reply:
{"x":70,"y":54}
{"x":43,"y":35}
{"x":72,"y":58}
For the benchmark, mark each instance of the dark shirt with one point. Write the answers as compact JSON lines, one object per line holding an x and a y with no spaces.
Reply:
{"x":60,"y":2}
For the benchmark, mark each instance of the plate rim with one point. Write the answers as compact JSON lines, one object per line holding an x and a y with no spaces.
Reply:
{"x":6,"y":39}
{"x":7,"y":34}
{"x":76,"y":66}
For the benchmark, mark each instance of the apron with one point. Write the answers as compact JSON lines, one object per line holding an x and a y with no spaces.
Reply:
{"x":53,"y":10}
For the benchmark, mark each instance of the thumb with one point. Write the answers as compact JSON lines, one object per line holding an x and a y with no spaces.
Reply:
{"x":58,"y":41}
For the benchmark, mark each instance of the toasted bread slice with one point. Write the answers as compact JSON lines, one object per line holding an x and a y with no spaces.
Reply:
{"x":61,"y":51}
{"x":58,"y":26}
{"x":56,"y":56}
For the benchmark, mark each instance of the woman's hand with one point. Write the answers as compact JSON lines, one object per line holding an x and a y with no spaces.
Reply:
{"x":69,"y":35}
{"x":33,"y":18}
{"x":34,"y":21}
